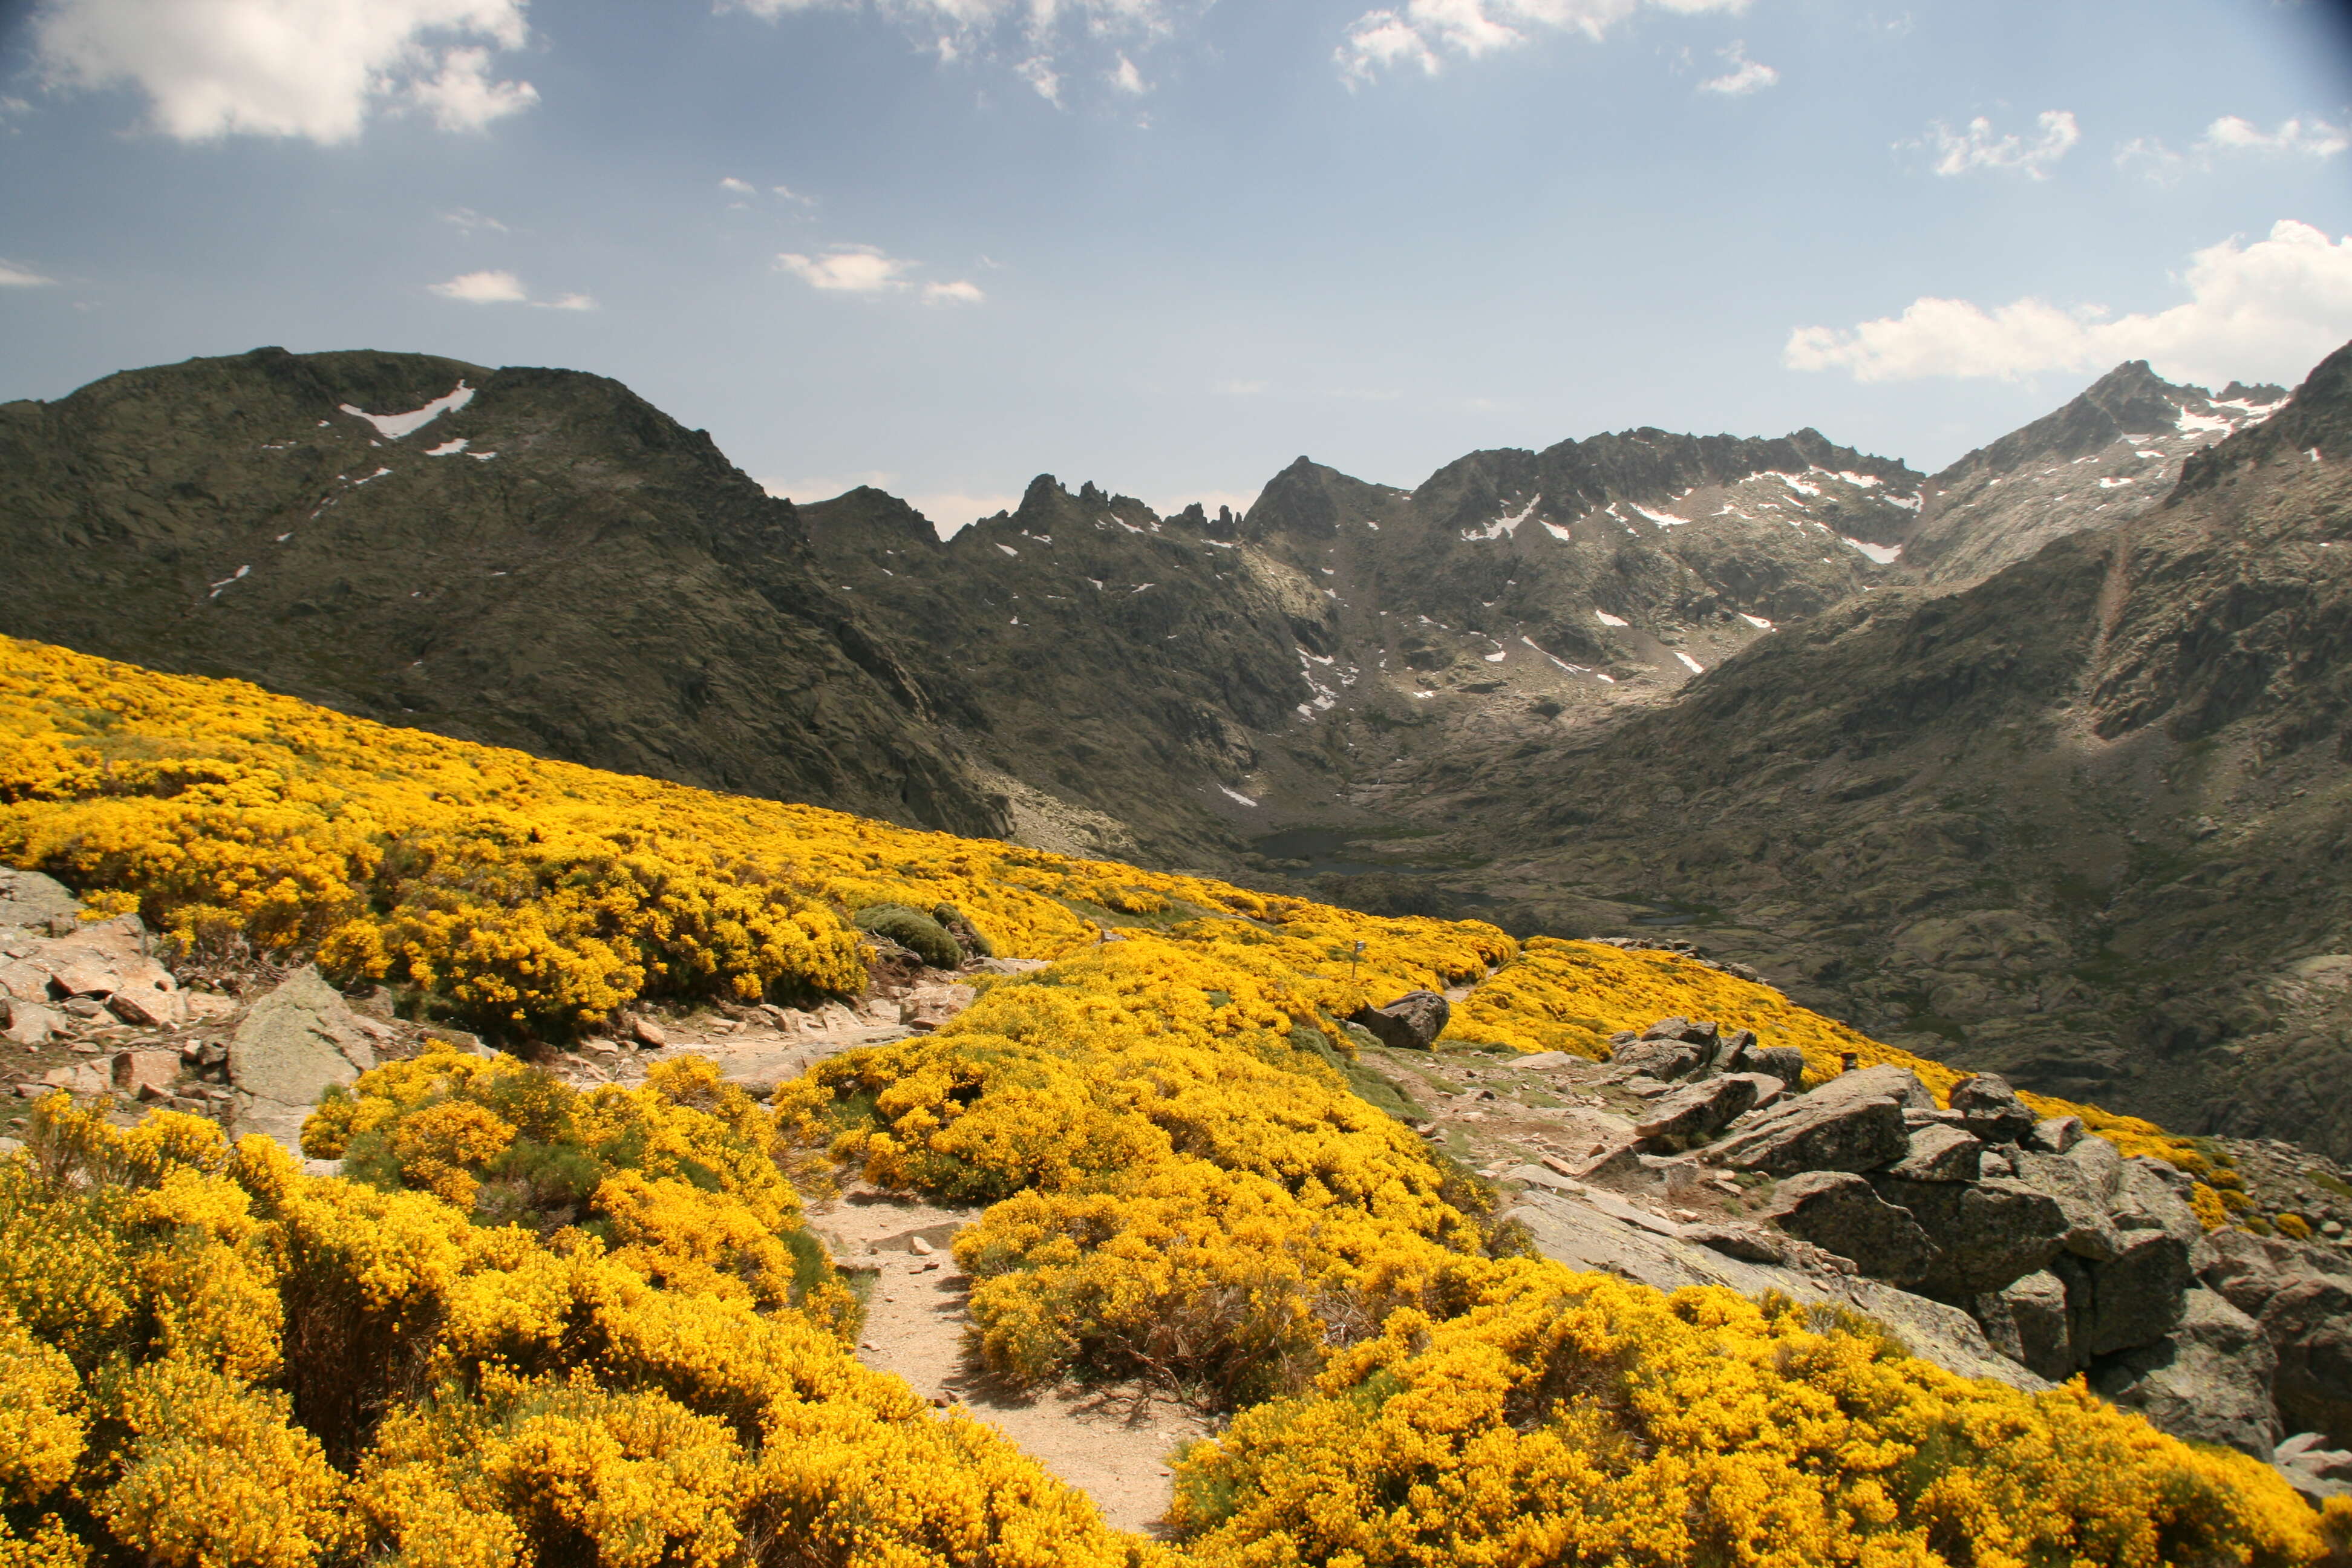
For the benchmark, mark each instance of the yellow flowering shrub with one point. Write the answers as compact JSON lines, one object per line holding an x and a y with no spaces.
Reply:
{"x":1580,"y":1419}
{"x":438,"y":1391}
{"x":536,"y":1325}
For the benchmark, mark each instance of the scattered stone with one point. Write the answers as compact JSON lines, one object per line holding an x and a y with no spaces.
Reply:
{"x":2056,"y":1134}
{"x":1410,"y":1023}
{"x":1547,"y":1060}
{"x":1662,"y":1060}
{"x":150,"y":1075}
{"x":1939,"y":1154}
{"x":30,"y":1024}
{"x":647,"y":1033}
{"x":1839,"y":1212}
{"x":920,"y":1248}
{"x":929,"y":1006}
{"x":1703,"y":1032}
{"x":148,"y":1009}
{"x":1690,"y":1116}
{"x":1990,"y":1108}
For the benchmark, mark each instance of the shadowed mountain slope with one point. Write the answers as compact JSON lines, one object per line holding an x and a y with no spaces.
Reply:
{"x":549,"y":563}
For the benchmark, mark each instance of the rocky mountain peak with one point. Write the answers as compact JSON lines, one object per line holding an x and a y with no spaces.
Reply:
{"x":2109,"y":454}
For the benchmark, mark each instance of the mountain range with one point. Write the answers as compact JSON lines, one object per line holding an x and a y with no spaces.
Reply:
{"x":2032,"y":763}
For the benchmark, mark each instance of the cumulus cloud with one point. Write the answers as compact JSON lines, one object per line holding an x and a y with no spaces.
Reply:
{"x":734,"y":186}
{"x":314,"y":68}
{"x":499,"y":288}
{"x":1976,"y":147}
{"x":1422,"y":33}
{"x":2231,"y":134}
{"x":1745,"y":76}
{"x":1127,"y":78}
{"x":15,"y":277}
{"x":848,"y":269}
{"x":867,"y":269}
{"x":2264,"y":310}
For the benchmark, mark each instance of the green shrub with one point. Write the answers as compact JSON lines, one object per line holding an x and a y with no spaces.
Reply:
{"x":968,"y":935}
{"x":914,"y":931}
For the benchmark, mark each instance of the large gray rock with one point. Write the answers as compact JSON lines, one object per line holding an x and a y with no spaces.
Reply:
{"x":1785,"y":1063}
{"x":2085,"y":1195}
{"x":1939,"y":1154}
{"x":1991,"y":1110}
{"x":294,"y":1044}
{"x":1665,"y":1061}
{"x":1692,"y":1115}
{"x":2208,"y":1381}
{"x":30,"y":899}
{"x":2137,"y":1296}
{"x":1410,"y":1023}
{"x":1839,"y":1212}
{"x":1853,"y":1122}
{"x":1991,"y":1232}
{"x":2026,"y":1321}
{"x":2303,"y":1301}
{"x":1569,"y":1229}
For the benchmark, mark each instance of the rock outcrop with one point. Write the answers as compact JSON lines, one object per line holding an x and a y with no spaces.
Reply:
{"x":297,"y":1042}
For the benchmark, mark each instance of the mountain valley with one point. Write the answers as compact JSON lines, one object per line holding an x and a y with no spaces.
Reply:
{"x":1950,"y":756}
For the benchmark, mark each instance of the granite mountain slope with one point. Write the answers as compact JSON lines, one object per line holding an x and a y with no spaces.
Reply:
{"x":2086,"y":823}
{"x":542,"y":560}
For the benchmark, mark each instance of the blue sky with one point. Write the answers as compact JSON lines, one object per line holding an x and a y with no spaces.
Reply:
{"x":1167,"y":246}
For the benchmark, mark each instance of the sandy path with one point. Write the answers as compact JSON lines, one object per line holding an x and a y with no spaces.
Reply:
{"x":1109,"y":1445}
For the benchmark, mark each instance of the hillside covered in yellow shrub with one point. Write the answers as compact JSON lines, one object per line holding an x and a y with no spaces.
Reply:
{"x":534,"y":1325}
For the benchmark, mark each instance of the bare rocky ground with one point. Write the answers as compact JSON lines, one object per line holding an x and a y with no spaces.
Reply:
{"x":1113,"y":1442}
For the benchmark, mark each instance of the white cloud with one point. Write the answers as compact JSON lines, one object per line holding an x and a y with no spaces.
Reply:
{"x":848,"y":269}
{"x":1421,"y":32}
{"x":505,"y":289}
{"x":484,"y":288}
{"x":467,"y":220}
{"x":868,"y":269}
{"x":313,"y":68}
{"x":1745,"y":76}
{"x":2265,"y":310}
{"x":793,"y":196}
{"x":1976,"y":147}
{"x":462,"y":97}
{"x":737,"y":187}
{"x":1047,"y":43}
{"x":1038,"y":71}
{"x":2231,"y":134}
{"x":15,"y":277}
